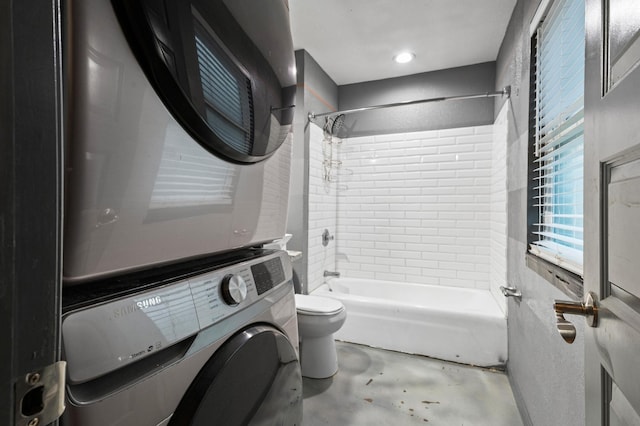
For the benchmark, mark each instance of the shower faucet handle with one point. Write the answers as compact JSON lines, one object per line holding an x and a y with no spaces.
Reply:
{"x":511,"y":292}
{"x":326,"y":237}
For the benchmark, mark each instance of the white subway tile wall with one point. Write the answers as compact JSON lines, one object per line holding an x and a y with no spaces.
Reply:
{"x":498,"y":217}
{"x":322,"y":208}
{"x":412,"y":207}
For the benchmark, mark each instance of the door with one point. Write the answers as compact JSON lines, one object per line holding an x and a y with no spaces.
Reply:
{"x":612,"y":211}
{"x":30,"y":214}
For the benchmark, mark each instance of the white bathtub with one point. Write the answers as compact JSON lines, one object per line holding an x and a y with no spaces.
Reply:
{"x":454,"y":324}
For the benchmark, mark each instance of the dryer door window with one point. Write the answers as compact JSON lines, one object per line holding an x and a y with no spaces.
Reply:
{"x":227,"y":94}
{"x":253,"y":379}
{"x":225,"y":69}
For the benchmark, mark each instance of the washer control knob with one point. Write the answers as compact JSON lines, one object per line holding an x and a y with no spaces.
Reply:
{"x":234,"y":289}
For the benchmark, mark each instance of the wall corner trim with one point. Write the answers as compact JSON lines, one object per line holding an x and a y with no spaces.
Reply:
{"x":541,"y":11}
{"x":520,"y":402}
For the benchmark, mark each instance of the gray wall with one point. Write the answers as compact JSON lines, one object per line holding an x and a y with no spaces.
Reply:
{"x":546,"y":374}
{"x":318,"y":93}
{"x":467,"y":80}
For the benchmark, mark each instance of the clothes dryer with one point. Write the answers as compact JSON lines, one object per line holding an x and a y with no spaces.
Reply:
{"x":177,"y":133}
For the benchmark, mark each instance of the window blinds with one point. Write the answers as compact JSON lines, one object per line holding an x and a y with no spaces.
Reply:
{"x":559,"y":135}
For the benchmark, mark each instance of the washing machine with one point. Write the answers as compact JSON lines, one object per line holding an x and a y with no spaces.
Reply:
{"x":214,"y":345}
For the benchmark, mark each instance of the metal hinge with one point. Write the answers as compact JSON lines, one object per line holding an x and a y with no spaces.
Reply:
{"x":39,"y":396}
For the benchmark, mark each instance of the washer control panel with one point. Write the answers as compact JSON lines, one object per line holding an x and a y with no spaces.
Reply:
{"x":105,"y":337}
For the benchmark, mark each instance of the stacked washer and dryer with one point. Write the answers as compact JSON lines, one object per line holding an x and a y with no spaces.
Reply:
{"x":178,"y":149}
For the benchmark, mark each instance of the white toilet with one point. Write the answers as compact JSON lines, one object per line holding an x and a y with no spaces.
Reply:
{"x":318,"y":318}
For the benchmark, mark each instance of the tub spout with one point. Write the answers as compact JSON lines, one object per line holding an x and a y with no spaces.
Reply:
{"x":331,"y":274}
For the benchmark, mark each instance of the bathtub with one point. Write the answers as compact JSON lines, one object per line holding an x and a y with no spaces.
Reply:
{"x":453,"y":324}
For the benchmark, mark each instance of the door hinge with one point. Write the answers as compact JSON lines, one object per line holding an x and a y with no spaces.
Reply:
{"x":39,"y":396}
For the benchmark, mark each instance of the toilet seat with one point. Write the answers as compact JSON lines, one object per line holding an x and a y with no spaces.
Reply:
{"x":316,"y":305}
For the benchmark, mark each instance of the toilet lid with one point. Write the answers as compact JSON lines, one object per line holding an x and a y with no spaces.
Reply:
{"x":317,"y":305}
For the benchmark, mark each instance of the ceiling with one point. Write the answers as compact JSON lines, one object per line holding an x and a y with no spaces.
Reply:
{"x":355,"y":40}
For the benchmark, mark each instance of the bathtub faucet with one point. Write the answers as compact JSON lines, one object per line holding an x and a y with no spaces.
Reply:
{"x":331,"y":274}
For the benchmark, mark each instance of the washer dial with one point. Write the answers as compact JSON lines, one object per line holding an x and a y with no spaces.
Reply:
{"x":233,"y":289}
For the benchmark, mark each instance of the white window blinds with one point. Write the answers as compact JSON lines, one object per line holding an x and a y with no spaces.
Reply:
{"x":558,"y":53}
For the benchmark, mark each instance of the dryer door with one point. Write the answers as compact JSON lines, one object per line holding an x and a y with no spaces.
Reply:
{"x":224,"y":68}
{"x":253,"y":379}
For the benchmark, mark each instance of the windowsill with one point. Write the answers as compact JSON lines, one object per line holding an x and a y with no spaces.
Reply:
{"x":567,"y":282}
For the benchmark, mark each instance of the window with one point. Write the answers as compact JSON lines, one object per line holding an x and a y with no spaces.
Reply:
{"x":557,"y":136}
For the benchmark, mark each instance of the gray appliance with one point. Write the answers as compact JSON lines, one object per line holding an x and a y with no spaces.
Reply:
{"x":178,"y":118}
{"x":215,"y":347}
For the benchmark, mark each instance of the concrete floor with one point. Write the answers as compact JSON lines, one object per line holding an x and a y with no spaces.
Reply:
{"x":379,"y":387}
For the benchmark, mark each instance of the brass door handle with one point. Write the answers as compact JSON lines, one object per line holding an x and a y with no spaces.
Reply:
{"x":587,"y":309}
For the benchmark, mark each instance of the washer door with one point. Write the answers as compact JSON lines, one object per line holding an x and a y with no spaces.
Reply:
{"x":253,"y":379}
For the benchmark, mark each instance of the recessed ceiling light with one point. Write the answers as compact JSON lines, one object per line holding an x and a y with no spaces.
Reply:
{"x":404,"y":57}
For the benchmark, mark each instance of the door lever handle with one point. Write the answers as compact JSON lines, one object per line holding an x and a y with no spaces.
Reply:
{"x":587,"y":309}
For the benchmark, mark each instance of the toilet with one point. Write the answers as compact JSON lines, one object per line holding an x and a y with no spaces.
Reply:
{"x":318,"y":318}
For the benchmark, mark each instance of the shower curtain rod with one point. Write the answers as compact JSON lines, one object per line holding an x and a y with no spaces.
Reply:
{"x":506,"y":91}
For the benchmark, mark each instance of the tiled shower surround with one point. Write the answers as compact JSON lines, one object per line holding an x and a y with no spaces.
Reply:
{"x":322,"y":209}
{"x":416,"y":207}
{"x":426,"y":207}
{"x":498,"y":217}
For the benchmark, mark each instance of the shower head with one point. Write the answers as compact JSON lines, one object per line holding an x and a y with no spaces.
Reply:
{"x":338,"y":123}
{"x":333,"y":125}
